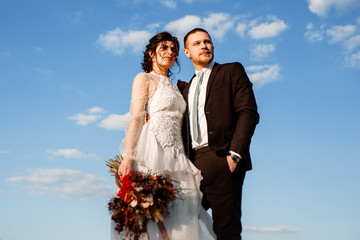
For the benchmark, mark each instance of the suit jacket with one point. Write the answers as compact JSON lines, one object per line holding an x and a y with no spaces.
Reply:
{"x":230,"y":110}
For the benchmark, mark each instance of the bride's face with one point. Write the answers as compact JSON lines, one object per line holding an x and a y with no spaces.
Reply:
{"x":165,"y":55}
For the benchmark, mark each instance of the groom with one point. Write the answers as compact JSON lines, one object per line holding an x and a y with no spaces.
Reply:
{"x":220,"y":120}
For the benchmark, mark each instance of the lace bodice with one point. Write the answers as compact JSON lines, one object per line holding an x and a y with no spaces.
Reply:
{"x":154,"y":96}
{"x":165,"y":109}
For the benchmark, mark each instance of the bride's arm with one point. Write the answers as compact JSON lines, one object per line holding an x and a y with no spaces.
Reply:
{"x":139,"y":99}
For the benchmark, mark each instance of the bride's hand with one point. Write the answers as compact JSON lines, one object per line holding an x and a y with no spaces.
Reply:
{"x":125,"y":167}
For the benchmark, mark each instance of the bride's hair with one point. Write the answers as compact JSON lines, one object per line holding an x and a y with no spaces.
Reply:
{"x":151,"y":47}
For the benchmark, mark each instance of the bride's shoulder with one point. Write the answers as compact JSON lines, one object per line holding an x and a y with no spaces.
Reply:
{"x":146,"y":80}
{"x":143,"y":78}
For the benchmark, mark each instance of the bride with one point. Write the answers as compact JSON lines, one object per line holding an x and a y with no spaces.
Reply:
{"x":153,"y":141}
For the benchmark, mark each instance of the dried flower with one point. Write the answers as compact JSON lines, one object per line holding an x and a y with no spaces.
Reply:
{"x":133,"y":203}
{"x":142,"y":197}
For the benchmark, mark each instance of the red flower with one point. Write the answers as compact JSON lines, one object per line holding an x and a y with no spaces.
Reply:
{"x":126,"y":186}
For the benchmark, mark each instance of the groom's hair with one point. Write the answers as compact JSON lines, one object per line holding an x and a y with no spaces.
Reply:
{"x":194,"y":31}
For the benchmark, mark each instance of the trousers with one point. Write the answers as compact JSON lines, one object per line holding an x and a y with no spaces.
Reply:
{"x":222,"y":192}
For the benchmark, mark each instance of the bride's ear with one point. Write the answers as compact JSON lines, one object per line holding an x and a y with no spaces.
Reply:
{"x":151,"y":54}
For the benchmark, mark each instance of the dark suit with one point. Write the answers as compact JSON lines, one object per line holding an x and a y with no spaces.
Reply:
{"x":231,"y":114}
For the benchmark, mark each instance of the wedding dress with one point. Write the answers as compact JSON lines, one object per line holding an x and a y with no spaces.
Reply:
{"x":154,"y":142}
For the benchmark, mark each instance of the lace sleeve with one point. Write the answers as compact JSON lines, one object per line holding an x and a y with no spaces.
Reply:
{"x":141,"y":91}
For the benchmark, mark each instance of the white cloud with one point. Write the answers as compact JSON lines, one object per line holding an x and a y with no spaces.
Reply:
{"x":217,"y":24}
{"x":115,"y":122}
{"x":111,"y":122}
{"x":153,"y":27}
{"x":164,"y":3}
{"x":69,"y":153}
{"x":96,"y":110}
{"x":272,"y":27}
{"x":314,"y":35}
{"x":340,"y":33}
{"x":83,"y":119}
{"x":353,"y":60}
{"x":279,"y":229}
{"x":168,"y":3}
{"x":352,"y":43}
{"x":241,"y":29}
{"x":118,"y":41}
{"x":261,"y":51}
{"x":181,"y":26}
{"x":66,"y":183}
{"x":321,"y":7}
{"x":346,"y":35}
{"x":263,"y":74}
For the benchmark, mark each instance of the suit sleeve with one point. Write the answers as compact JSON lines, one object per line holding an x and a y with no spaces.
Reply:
{"x":245,"y":110}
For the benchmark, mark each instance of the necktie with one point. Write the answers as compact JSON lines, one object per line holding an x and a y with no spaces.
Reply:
{"x":195,"y":116}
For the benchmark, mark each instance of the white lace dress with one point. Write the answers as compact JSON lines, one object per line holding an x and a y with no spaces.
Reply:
{"x":159,"y":147}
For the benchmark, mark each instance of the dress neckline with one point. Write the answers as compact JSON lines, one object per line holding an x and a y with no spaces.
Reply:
{"x":160,"y":76}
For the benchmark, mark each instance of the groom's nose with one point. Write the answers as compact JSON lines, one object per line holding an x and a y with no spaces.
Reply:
{"x":203,"y":45}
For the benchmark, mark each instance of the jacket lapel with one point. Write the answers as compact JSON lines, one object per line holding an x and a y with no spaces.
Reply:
{"x":211,"y":79}
{"x":186,"y":89}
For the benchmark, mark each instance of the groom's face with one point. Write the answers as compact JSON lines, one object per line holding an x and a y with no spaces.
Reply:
{"x":199,"y":49}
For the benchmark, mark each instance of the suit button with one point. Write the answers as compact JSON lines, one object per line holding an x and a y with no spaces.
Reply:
{"x":211,"y":132}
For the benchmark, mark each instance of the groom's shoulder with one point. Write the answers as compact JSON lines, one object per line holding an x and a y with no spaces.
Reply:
{"x":229,"y":66}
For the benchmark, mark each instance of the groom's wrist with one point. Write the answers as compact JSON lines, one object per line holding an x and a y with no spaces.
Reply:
{"x":234,"y":156}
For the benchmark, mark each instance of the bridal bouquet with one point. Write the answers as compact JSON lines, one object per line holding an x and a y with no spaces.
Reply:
{"x":142,"y":197}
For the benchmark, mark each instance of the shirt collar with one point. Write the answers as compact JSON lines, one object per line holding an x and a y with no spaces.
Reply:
{"x":206,"y":68}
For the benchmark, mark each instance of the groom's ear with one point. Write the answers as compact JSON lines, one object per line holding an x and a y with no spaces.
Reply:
{"x":187,"y":53}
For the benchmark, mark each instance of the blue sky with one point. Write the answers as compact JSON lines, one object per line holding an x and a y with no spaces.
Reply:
{"x":66,"y":69}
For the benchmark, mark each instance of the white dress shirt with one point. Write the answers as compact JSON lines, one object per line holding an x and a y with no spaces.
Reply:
{"x":201,"y":108}
{"x":203,"y":139}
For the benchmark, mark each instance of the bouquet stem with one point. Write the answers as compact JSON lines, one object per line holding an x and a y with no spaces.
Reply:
{"x":164,"y":234}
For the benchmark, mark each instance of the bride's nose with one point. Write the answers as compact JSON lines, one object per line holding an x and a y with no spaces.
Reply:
{"x":170,"y":51}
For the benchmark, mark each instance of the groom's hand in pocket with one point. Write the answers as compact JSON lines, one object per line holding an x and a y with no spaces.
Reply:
{"x":231,"y":163}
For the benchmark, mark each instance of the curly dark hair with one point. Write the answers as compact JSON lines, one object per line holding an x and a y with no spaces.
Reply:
{"x":151,"y":47}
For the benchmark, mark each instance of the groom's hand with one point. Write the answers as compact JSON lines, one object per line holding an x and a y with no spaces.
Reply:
{"x":231,"y":163}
